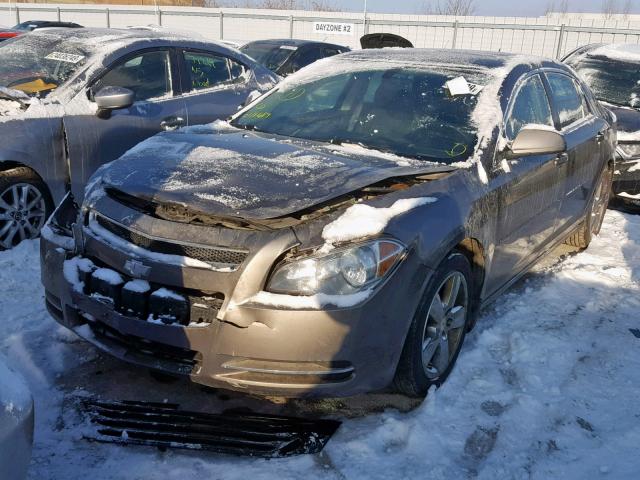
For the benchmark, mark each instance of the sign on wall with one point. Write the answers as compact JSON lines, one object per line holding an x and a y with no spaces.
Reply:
{"x":333,"y":28}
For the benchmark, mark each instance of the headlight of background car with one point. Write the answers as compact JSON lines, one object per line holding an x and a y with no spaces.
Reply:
{"x":341,"y":272}
{"x":629,"y":150}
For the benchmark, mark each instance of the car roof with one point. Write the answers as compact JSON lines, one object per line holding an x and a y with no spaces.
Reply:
{"x":432,"y":56}
{"x":295,"y":42}
{"x":106,"y":36}
{"x":624,"y":52}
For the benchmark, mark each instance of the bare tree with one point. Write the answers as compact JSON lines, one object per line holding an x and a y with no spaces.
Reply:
{"x":459,"y":8}
{"x":609,"y":8}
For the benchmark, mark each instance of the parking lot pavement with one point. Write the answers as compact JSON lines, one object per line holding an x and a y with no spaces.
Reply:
{"x":546,"y":386}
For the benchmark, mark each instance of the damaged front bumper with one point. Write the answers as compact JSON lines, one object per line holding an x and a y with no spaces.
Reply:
{"x":626,"y":182}
{"x":246,"y":346}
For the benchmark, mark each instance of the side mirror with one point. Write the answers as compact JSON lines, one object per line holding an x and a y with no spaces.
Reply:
{"x":537,"y":140}
{"x":113,"y":98}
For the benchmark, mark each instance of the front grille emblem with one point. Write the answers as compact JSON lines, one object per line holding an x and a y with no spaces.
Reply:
{"x":137,"y":269}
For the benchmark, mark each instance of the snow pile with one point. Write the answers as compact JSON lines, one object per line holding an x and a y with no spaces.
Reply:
{"x":15,"y":397}
{"x":361,"y":221}
{"x":9,"y":108}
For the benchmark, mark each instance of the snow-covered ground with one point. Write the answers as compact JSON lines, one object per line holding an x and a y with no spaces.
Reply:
{"x":547,"y":386}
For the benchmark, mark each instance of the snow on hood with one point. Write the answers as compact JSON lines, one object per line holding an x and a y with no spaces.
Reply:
{"x":224,"y":171}
{"x":623,"y":52}
{"x":361,"y":220}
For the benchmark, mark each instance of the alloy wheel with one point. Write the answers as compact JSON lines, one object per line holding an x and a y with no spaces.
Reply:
{"x":22,"y":214}
{"x":445,"y":325}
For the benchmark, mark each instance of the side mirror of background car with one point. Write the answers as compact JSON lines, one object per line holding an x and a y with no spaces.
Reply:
{"x":113,"y":98}
{"x":537,"y":140}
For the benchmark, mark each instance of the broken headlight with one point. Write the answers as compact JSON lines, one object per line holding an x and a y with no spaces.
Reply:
{"x":629,"y":150}
{"x":340,"y":272}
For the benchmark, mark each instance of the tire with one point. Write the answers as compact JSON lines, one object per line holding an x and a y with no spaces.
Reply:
{"x":434,"y":329}
{"x":25,"y":205}
{"x":592,"y":222}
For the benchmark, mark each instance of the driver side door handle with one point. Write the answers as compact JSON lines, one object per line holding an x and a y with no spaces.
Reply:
{"x":172,"y":123}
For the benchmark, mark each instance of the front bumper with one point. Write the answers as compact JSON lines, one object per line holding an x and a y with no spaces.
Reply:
{"x":253,"y":348}
{"x":626,"y":182}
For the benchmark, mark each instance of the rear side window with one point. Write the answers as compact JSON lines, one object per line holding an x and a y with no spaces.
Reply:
{"x":208,"y":71}
{"x":330,"y":51}
{"x":306,"y":57}
{"x":147,"y":75}
{"x":531,"y":106}
{"x":568,"y":99}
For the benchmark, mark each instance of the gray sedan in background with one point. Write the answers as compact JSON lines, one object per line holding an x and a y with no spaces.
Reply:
{"x":72,"y":100}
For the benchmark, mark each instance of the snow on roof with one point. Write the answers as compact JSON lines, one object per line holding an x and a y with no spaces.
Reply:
{"x":623,"y":52}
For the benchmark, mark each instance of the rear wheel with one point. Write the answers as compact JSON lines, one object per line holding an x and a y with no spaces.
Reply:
{"x":24,"y":206}
{"x":438,"y":329}
{"x":595,"y":215}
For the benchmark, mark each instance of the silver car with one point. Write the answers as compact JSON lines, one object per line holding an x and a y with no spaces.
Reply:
{"x":16,"y":424}
{"x":71,"y":101}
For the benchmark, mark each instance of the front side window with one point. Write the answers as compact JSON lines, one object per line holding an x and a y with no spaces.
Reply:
{"x":271,"y":56}
{"x":567,"y":98}
{"x":531,"y":106}
{"x":147,"y":75}
{"x":403,"y":111}
{"x":209,"y":71}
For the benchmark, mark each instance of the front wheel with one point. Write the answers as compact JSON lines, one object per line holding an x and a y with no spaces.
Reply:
{"x":24,"y":206}
{"x":595,"y":215}
{"x":438,"y":328}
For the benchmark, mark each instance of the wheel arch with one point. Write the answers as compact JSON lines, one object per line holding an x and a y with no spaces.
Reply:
{"x":11,"y":164}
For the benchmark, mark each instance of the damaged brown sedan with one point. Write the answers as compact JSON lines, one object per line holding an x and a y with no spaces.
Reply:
{"x":340,"y":233}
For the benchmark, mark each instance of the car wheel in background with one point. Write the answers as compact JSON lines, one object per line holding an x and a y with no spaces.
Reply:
{"x":595,"y":214}
{"x":438,"y":328}
{"x":25,"y":205}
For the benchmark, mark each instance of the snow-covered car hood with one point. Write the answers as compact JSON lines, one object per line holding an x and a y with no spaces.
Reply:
{"x":10,"y":108}
{"x":223,"y":171}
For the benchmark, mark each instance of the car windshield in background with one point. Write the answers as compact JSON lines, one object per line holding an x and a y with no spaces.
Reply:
{"x":611,"y":81}
{"x":270,"y":55}
{"x":402,"y":111}
{"x":37,"y":64}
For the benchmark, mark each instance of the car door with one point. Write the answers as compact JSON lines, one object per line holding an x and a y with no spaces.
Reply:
{"x":215,"y":86}
{"x":528,"y":189}
{"x":583,"y":132}
{"x":94,"y":140}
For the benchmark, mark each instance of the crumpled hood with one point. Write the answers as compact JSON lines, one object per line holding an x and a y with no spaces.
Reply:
{"x":222,"y":171}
